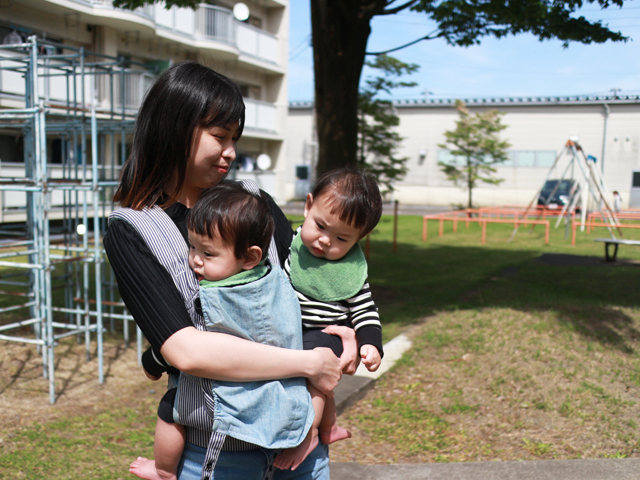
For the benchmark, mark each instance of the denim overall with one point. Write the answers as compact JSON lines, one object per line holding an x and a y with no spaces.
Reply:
{"x":194,"y":403}
{"x":272,"y":414}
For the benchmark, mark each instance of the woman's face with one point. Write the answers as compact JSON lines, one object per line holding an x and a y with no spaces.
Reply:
{"x":213,"y":152}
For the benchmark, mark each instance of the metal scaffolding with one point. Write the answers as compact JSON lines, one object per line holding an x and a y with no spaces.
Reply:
{"x":74,"y":111}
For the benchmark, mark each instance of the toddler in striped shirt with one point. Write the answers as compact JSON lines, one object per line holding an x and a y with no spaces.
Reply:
{"x":328,"y":271}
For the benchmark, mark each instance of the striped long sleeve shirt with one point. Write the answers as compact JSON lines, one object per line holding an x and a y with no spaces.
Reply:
{"x":358,"y":312}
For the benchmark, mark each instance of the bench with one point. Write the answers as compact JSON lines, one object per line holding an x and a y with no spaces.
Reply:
{"x":608,"y":242}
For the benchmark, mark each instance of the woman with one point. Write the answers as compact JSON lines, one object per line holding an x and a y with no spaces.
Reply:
{"x":184,"y":141}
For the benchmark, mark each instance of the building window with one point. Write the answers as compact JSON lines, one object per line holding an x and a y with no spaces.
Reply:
{"x":530,"y":159}
{"x":516,"y":158}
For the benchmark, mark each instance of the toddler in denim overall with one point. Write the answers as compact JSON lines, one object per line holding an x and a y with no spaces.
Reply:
{"x":229,"y":234}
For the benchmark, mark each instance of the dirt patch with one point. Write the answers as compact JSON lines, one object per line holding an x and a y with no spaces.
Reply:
{"x":24,"y":392}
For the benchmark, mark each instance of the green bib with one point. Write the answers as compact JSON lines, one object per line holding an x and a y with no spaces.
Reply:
{"x":327,"y":280}
{"x":246,"y":276}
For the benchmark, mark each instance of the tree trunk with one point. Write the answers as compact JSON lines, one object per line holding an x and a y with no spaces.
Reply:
{"x":340,"y":33}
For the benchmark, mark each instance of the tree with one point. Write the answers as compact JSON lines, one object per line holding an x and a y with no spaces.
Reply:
{"x":378,"y":142}
{"x":476,"y":148}
{"x":341,"y":28}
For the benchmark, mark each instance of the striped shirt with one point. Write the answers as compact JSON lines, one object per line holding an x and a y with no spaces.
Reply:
{"x":358,"y":312}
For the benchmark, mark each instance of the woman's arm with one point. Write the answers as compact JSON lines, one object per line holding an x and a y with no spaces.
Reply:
{"x":226,"y":357}
{"x":158,"y":309}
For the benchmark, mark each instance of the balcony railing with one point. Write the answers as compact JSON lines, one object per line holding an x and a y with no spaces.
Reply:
{"x":208,"y":22}
{"x":256,"y":42}
{"x":214,"y":23}
{"x":260,"y":115}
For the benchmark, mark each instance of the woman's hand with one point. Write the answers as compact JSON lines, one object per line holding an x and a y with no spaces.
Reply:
{"x":349,"y":360}
{"x":325,"y":370}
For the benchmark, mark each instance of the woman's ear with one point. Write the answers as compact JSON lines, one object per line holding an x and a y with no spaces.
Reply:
{"x":307,"y":204}
{"x":252,"y":258}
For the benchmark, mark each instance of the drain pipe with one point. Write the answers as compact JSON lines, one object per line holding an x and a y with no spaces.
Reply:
{"x":604,"y":135}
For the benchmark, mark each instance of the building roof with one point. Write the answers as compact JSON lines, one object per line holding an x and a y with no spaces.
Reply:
{"x":503,"y":101}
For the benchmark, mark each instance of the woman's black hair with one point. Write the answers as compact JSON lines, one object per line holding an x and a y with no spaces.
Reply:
{"x":184,"y":97}
{"x":239,"y":217}
{"x":353,"y":195}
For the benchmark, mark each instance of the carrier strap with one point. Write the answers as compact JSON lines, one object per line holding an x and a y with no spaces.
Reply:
{"x":216,"y":441}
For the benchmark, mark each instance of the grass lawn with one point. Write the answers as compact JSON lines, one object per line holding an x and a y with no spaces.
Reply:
{"x":513,"y":358}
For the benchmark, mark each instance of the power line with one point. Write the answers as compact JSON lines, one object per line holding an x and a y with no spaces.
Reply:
{"x":304,"y":44}
{"x":299,"y":53}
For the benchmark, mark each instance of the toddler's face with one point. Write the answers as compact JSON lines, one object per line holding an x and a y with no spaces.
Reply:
{"x":323,"y":233}
{"x":211,"y":258}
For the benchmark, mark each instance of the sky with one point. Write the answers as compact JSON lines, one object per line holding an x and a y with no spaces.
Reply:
{"x":515,"y":66}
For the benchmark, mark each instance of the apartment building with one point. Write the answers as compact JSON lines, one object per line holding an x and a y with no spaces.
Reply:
{"x":96,"y":56}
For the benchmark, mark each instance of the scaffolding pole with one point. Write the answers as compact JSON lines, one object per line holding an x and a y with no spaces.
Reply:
{"x":71,"y":118}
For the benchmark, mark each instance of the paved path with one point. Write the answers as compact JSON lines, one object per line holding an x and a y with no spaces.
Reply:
{"x":618,"y":469}
{"x":354,"y":388}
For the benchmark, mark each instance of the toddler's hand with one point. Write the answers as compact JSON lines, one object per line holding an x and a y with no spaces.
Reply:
{"x":370,"y":357}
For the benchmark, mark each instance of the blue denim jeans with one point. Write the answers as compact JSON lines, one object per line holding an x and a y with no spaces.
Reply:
{"x":251,"y":465}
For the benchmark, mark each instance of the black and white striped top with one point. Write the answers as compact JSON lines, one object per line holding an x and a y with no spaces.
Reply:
{"x":358,"y":312}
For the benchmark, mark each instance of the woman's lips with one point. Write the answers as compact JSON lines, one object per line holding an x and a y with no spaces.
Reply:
{"x":222,"y":170}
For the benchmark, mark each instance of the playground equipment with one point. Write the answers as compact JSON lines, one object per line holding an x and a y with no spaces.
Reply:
{"x":589,"y":179}
{"x":74,"y":112}
{"x":489,"y":215}
{"x":585,"y":186}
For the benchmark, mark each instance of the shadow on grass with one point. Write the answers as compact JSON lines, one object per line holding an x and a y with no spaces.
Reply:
{"x":585,"y":296}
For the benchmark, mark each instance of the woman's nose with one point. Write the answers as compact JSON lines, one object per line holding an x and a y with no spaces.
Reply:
{"x":229,"y":151}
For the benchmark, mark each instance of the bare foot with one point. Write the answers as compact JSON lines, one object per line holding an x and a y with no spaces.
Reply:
{"x":145,"y":468}
{"x":293,"y":457}
{"x":334,"y":434}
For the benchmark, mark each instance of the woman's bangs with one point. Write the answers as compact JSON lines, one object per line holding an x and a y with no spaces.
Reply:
{"x":226,"y":110}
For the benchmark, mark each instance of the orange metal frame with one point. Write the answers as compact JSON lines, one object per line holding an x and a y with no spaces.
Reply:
{"x":485,"y":215}
{"x":592,"y":225}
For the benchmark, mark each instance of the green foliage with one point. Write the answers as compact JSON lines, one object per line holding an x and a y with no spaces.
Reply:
{"x":476,"y":140}
{"x":378,"y":142}
{"x":464,"y":22}
{"x":133,"y":4}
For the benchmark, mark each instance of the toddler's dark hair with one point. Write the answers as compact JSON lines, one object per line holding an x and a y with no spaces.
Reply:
{"x":241,"y":218}
{"x":355,"y":197}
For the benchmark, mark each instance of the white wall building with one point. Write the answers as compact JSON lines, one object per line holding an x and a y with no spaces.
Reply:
{"x":607,"y":128}
{"x":253,"y":53}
